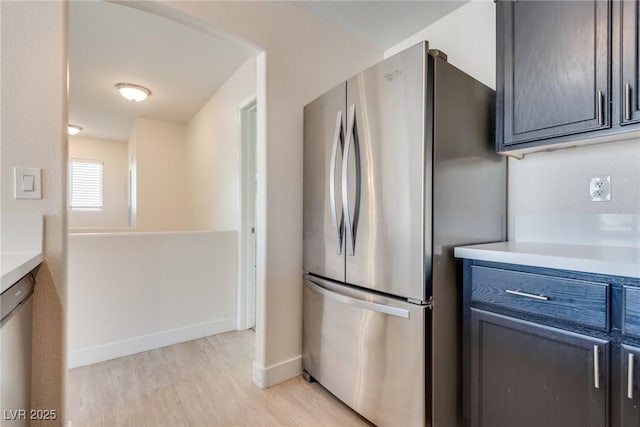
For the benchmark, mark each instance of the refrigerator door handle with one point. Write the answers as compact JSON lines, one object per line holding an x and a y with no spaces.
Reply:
{"x":338,"y":139}
{"x":367,"y":305}
{"x":350,"y":223}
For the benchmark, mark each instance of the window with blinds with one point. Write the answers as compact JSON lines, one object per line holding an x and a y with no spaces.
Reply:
{"x":85,"y":184}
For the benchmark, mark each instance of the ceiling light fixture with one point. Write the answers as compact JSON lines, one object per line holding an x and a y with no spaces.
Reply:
{"x":73,"y":129}
{"x":133,"y":92}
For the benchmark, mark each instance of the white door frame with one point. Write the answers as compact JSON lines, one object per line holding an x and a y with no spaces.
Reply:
{"x":246,"y":305}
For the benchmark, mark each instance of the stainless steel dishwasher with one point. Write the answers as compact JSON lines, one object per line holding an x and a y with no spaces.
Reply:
{"x":15,"y":352}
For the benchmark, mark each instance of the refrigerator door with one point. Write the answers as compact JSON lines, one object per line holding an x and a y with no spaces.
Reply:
{"x":323,"y":229}
{"x":388,"y":177}
{"x":367,"y":350}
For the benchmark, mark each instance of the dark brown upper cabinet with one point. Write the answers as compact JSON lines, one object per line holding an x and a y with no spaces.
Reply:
{"x":629,"y":81}
{"x":567,"y":73}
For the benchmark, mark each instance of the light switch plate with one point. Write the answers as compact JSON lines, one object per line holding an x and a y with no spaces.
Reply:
{"x":27,"y":183}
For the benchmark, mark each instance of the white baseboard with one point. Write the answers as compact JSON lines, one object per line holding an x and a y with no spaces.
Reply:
{"x":115,"y":349}
{"x":274,"y":374}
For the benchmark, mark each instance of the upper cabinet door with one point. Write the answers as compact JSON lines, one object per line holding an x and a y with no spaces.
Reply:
{"x":553,"y":69}
{"x":323,"y":229}
{"x":629,"y":70}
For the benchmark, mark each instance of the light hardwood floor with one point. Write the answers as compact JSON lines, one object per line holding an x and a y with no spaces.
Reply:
{"x":206,"y":382}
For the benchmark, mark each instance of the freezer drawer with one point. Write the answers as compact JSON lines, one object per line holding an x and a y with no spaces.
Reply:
{"x":367,"y":350}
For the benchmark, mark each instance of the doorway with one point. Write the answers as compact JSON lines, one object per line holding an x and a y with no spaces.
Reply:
{"x":179,"y":154}
{"x":248,"y":231}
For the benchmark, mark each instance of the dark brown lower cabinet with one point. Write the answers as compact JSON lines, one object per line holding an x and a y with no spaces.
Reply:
{"x":629,"y":385}
{"x":529,"y":375}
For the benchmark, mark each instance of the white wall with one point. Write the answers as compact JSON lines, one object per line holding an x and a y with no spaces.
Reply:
{"x":167,"y":288}
{"x":213,"y":154}
{"x":133,"y":179}
{"x":33,"y":134}
{"x":304,"y":58}
{"x":467,"y":35}
{"x":549,"y":196}
{"x":548,"y":192}
{"x":161,"y":176}
{"x":115,"y":177}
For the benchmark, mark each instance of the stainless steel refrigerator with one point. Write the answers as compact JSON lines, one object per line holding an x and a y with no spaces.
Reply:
{"x":399,"y":167}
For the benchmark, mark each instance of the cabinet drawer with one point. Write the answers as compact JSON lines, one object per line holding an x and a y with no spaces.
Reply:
{"x":631,"y":311}
{"x":577,"y":301}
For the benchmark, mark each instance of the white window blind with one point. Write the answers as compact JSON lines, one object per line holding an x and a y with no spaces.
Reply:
{"x":85,"y":184}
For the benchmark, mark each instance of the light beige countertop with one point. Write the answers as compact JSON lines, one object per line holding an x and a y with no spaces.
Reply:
{"x":615,"y":261}
{"x":16,"y":265}
{"x":22,"y":236}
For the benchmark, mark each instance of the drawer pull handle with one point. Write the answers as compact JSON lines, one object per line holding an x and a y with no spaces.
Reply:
{"x":630,"y":377}
{"x":596,"y":366}
{"x":528,"y":295}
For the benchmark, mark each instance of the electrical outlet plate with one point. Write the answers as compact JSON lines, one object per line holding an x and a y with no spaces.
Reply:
{"x":600,"y":188}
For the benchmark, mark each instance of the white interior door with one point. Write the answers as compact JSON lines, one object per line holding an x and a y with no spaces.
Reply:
{"x":252,"y":214}
{"x":248,"y":233}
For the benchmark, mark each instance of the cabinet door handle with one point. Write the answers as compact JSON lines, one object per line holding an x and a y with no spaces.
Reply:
{"x":527,"y":295}
{"x":596,"y":366}
{"x":630,"y":377}
{"x":600,"y":108}
{"x":627,"y":101}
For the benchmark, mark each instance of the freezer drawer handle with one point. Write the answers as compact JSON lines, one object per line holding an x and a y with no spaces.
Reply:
{"x":338,"y":139}
{"x":380,"y":308}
